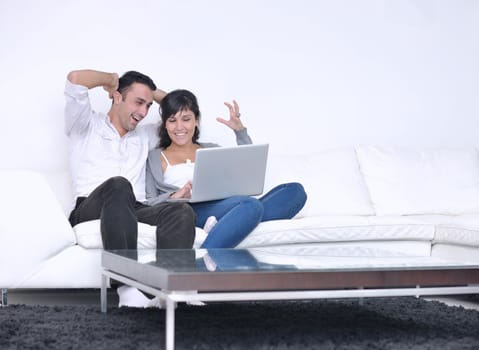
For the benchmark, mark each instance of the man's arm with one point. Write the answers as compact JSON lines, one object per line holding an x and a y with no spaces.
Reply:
{"x":78,"y":109}
{"x":92,"y":78}
{"x":159,"y":95}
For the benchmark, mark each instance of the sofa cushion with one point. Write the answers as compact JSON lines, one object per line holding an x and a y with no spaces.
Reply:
{"x":331,"y":178}
{"x":404,"y":181}
{"x":458,"y":229}
{"x":33,"y":226}
{"x":321,"y":229}
{"x":342,"y":256}
{"x":453,"y":229}
{"x":88,"y":235}
{"x":61,"y":185}
{"x":73,"y":267}
{"x":457,"y":235}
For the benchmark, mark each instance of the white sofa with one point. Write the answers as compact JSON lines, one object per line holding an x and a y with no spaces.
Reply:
{"x":421,"y":202}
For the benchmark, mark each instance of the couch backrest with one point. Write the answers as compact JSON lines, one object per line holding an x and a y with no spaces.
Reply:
{"x":61,"y":185}
{"x":410,"y":181}
{"x":370,"y":180}
{"x":331,"y":178}
{"x":365,"y":180}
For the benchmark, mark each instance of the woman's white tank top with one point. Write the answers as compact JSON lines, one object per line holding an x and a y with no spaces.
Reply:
{"x":179,"y":174}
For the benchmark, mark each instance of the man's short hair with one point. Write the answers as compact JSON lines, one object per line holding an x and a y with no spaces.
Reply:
{"x":131,"y":77}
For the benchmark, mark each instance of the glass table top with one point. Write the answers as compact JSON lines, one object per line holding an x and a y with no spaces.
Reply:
{"x":292,"y":258}
{"x":284,"y":269}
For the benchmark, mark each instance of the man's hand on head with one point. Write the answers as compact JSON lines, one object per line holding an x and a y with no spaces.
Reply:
{"x":112,"y":86}
{"x":158,"y":95}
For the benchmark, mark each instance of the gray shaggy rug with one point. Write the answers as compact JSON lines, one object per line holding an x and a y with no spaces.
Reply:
{"x":385,"y":323}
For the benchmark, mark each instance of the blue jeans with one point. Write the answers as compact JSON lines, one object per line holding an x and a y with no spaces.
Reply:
{"x":238,"y":215}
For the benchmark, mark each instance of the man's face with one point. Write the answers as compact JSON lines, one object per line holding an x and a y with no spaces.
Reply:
{"x":131,"y":108}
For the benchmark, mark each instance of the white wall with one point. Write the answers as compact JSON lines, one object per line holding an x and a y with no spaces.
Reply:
{"x":308,"y":73}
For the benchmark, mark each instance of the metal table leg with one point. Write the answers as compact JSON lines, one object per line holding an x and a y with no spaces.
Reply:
{"x":3,"y":301}
{"x":170,"y":324}
{"x":103,"y":292}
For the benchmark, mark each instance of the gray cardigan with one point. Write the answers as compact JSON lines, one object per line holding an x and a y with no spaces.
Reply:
{"x":157,"y":190}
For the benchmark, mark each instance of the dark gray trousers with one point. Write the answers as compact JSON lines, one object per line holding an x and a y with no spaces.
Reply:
{"x":114,"y":203}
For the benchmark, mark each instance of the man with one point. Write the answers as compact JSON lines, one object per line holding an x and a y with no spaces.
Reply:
{"x":108,"y":157}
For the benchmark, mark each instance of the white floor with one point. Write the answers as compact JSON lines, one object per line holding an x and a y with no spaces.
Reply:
{"x":92,"y":297}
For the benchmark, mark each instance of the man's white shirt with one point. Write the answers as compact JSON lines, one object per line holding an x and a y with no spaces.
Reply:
{"x":98,"y":152}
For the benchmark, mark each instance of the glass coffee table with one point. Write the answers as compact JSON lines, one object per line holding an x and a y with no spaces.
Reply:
{"x":282,"y":273}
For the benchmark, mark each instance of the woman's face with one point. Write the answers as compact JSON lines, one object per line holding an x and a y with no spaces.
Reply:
{"x":181,"y":127}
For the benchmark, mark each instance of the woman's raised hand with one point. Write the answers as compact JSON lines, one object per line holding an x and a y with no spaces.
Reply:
{"x":234,"y":122}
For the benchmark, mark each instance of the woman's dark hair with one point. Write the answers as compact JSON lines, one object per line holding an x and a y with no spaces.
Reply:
{"x":174,"y":102}
{"x":131,"y":77}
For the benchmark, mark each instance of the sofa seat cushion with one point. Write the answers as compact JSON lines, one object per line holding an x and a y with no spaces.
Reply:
{"x":457,"y":235}
{"x":73,"y":267}
{"x":341,"y":257}
{"x":88,"y":235}
{"x":453,"y":229}
{"x":461,"y":230}
{"x":338,"y":229}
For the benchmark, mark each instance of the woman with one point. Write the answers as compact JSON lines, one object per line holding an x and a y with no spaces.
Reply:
{"x":169,"y":173}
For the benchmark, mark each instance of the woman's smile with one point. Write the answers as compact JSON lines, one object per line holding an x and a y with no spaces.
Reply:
{"x":181,"y":126}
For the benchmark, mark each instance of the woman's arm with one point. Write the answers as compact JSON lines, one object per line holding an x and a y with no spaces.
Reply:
{"x":242,"y":137}
{"x":235,"y":124}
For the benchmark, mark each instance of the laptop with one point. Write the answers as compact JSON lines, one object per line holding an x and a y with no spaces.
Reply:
{"x":222,"y":172}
